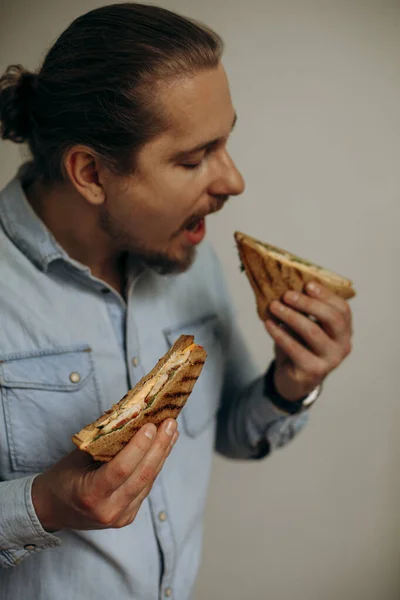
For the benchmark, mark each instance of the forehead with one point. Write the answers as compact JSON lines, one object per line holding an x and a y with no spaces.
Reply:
{"x":197,"y":109}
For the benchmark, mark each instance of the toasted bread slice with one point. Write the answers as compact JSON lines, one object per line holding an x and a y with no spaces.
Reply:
{"x":161,"y":394}
{"x":272,"y":271}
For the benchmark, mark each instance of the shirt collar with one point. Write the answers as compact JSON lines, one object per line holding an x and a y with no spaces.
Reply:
{"x":28,"y":232}
{"x":25,"y":228}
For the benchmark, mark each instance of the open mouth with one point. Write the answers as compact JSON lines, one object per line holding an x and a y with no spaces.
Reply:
{"x":195,"y":231}
{"x":195,"y":228}
{"x":194,"y":224}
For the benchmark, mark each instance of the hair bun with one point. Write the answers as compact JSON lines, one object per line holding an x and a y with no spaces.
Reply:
{"x":17,"y":87}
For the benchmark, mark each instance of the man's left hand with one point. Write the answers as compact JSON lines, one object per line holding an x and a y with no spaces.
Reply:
{"x":308,"y":349}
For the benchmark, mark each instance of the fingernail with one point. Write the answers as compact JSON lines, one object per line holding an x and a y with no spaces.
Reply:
{"x":292,"y":296}
{"x":314,"y":288}
{"x":171,"y":428}
{"x":150,"y":431}
{"x":276,"y":306}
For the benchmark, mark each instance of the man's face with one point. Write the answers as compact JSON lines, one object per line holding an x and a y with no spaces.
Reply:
{"x":182,"y":175}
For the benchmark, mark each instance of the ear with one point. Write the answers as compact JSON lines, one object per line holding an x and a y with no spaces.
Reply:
{"x":85,"y":173}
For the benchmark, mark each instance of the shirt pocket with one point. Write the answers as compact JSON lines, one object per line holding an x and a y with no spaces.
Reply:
{"x":47,"y":397}
{"x":203,"y":403}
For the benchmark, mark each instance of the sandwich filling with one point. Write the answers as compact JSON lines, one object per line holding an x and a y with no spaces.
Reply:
{"x":292,"y":258}
{"x":131,"y":407}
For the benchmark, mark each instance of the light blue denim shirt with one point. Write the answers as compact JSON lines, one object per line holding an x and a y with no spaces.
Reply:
{"x":57,"y":320}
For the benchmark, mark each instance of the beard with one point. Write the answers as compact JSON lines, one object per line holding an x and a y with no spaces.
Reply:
{"x":162,"y":262}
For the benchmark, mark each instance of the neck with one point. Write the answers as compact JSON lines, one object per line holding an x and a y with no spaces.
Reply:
{"x":75,"y":225}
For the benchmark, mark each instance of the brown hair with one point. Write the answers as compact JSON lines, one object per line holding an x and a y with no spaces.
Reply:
{"x":97,"y":85}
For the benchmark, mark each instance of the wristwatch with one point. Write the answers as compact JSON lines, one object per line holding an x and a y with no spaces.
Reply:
{"x":292,"y":408}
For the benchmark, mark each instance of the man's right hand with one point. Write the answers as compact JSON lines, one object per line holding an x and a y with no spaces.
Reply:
{"x":77,"y":493}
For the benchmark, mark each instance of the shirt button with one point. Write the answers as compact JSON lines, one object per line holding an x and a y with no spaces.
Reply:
{"x":162,"y":516}
{"x":135,"y":361}
{"x":30,"y":546}
{"x":75,"y":377}
{"x":168,"y":592}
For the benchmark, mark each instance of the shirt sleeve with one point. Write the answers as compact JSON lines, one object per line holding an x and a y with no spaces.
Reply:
{"x":21,"y":532}
{"x":249,"y":425}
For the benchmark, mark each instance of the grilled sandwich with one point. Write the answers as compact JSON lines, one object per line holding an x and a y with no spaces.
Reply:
{"x":159,"y":395}
{"x":272,"y":271}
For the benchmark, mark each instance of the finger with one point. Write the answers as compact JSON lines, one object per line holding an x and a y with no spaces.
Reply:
{"x":309,"y":332}
{"x":146,"y":471}
{"x":332,"y":320}
{"x":133,"y":506}
{"x":300,"y":356}
{"x":145,"y":492}
{"x":316,"y":290}
{"x":114,"y":473}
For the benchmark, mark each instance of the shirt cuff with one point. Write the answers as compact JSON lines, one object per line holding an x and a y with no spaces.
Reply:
{"x":267,"y":426}
{"x":21,"y":532}
{"x":287,"y":407}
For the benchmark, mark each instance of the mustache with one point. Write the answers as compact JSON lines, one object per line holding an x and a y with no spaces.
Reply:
{"x":216,"y":204}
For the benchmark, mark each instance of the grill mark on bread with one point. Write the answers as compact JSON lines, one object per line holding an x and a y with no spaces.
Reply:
{"x":268,"y":275}
{"x":174,"y":395}
{"x":166,"y":407}
{"x":255,"y":281}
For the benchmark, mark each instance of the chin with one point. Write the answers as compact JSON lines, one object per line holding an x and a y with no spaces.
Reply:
{"x":167,"y":263}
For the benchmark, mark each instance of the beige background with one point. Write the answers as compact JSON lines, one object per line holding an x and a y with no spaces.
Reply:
{"x":317,"y":89}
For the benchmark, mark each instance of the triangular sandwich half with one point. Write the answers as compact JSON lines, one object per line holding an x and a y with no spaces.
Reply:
{"x":157,"y":396}
{"x":272,"y":271}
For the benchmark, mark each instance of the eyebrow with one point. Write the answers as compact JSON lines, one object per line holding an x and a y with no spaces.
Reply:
{"x":202,"y":146}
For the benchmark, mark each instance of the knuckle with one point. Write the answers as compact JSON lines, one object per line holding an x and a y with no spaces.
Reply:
{"x":348,"y":348}
{"x":124,"y":521}
{"x":314,"y":330}
{"x":335,"y":362}
{"x":87,"y":502}
{"x":140,"y":443}
{"x":289,"y":345}
{"x":338,"y":321}
{"x":122,"y":471}
{"x":146,"y":475}
{"x":317,"y":372}
{"x":106,"y":517}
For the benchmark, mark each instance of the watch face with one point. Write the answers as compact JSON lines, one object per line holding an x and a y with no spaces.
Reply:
{"x":311,"y":398}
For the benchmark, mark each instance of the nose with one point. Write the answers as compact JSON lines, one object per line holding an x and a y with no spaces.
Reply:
{"x":229,"y":180}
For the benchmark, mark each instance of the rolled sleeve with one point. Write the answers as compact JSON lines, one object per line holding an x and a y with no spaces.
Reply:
{"x":21,"y":532}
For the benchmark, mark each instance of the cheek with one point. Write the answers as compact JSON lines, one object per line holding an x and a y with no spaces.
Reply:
{"x":156,"y":210}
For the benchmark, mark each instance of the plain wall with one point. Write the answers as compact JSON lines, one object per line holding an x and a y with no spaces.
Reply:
{"x":317,"y":89}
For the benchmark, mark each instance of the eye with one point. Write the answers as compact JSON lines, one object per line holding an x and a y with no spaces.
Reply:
{"x":191,"y":165}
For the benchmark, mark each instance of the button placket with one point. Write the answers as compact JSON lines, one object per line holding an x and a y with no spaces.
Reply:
{"x":165,"y":536}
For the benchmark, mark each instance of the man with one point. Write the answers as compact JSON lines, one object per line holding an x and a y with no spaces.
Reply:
{"x":128,"y":122}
